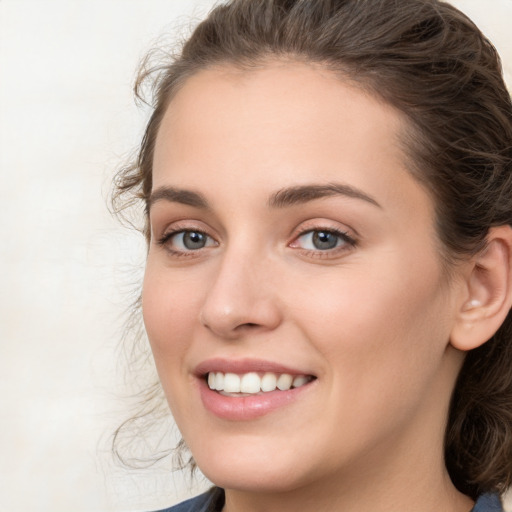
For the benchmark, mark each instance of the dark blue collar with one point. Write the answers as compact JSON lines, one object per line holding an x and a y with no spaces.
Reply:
{"x":213,"y":501}
{"x":488,"y":503}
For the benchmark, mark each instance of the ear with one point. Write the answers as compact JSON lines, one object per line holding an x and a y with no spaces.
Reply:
{"x":489,"y":292}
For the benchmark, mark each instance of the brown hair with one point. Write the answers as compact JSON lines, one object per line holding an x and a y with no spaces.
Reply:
{"x":432,"y":63}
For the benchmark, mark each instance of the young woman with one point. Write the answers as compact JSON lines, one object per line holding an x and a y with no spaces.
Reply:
{"x":328,"y":189}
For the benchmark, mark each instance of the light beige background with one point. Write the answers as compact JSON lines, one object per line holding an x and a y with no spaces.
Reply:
{"x":67,"y":120}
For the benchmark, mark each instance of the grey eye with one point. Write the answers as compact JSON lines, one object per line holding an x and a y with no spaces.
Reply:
{"x":188,"y":240}
{"x":321,"y":240}
{"x":192,"y":240}
{"x":324,"y":240}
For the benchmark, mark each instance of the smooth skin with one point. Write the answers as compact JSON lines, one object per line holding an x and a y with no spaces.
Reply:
{"x":238,"y":272}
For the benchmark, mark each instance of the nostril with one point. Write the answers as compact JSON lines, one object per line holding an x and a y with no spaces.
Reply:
{"x":248,"y":325}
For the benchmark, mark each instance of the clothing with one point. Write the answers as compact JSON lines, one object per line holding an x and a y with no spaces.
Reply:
{"x":213,"y":501}
{"x":488,"y":503}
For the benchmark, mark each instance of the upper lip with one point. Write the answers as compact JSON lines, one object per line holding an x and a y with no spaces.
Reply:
{"x":241,"y":366}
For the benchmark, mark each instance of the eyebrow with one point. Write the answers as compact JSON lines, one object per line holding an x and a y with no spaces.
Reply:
{"x":304,"y":193}
{"x":177,"y":195}
{"x":285,"y":197}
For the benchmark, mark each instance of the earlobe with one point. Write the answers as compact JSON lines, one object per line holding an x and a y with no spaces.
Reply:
{"x":489,"y":292}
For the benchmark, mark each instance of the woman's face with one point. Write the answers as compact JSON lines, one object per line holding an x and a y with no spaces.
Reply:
{"x":291,"y":246}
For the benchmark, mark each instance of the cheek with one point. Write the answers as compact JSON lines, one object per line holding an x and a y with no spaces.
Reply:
{"x":380,"y":321}
{"x":384,"y":342}
{"x":169,"y":309}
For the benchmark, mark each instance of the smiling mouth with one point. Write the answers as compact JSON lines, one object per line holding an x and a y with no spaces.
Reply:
{"x":253,"y":383}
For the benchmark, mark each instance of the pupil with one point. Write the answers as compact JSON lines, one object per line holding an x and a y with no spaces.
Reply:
{"x":194,"y":240}
{"x":324,"y":240}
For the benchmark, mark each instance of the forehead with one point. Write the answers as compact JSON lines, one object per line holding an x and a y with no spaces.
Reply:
{"x":282,"y":123}
{"x":276,"y":93}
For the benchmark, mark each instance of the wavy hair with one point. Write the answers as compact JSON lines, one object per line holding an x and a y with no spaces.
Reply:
{"x":429,"y":61}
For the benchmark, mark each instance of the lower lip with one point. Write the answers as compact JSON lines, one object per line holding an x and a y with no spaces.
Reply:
{"x":247,"y":407}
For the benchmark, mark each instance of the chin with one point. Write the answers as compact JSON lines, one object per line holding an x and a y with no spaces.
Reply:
{"x":254,"y":467}
{"x":250,"y":477}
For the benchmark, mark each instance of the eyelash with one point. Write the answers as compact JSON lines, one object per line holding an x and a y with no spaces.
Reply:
{"x":165,"y":239}
{"x":348,"y":242}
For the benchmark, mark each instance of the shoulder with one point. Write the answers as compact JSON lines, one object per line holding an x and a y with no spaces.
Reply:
{"x":207,"y":502}
{"x":488,"y":503}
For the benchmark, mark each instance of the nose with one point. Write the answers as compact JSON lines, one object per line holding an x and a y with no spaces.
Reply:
{"x":243,"y":298}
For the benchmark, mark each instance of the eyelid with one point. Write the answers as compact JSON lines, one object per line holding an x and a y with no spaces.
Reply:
{"x":341,"y":234}
{"x":324,"y":224}
{"x":351,"y":240}
{"x":170,"y":228}
{"x":171,"y":234}
{"x":183,"y":227}
{"x":348,"y":237}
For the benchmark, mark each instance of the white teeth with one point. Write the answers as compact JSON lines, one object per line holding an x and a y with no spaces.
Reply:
{"x":253,"y":383}
{"x":269,"y":382}
{"x":231,"y":383}
{"x":219,"y":381}
{"x":284,"y":382}
{"x":250,"y":383}
{"x":300,"y":381}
